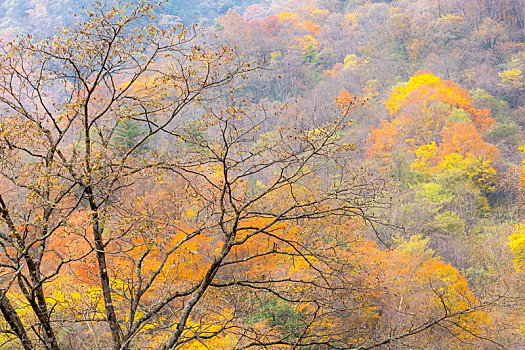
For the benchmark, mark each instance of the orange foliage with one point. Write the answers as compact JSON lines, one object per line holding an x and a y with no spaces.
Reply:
{"x":465,"y":139}
{"x":425,"y":88}
{"x":402,"y":287}
{"x":335,"y":69}
{"x":387,"y":139}
{"x":311,"y":27}
{"x":344,"y":99}
{"x":421,"y":110}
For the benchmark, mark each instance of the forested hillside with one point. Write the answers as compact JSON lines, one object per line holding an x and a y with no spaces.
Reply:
{"x":232,"y":174}
{"x":45,"y":16}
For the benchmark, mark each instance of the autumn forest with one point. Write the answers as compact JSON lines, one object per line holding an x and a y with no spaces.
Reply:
{"x":272,"y":174}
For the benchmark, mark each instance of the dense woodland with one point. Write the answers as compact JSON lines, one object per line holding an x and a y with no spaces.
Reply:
{"x":232,"y":174}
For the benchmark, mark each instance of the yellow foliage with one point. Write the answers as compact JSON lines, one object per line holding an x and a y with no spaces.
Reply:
{"x":350,"y":61}
{"x":287,"y":16}
{"x":416,"y":245}
{"x":210,"y":334}
{"x":479,"y":170}
{"x":522,"y":148}
{"x":316,"y":12}
{"x":307,"y":40}
{"x":450,"y":19}
{"x":350,"y":19}
{"x":402,"y":90}
{"x":517,"y":246}
{"x":426,"y":155}
{"x":512,"y":78}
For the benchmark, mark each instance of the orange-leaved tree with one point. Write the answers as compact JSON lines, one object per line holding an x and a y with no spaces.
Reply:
{"x":427,"y":109}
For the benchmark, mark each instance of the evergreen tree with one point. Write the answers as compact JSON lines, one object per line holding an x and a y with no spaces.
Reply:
{"x":126,"y":135}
